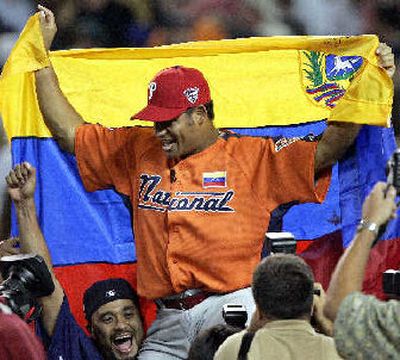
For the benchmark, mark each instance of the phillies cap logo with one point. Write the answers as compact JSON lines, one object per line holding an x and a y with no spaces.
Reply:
{"x":152,"y":88}
{"x":192,"y":94}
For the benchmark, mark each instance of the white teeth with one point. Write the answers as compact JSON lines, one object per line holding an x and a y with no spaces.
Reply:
{"x":168,"y":144}
{"x":122,"y":337}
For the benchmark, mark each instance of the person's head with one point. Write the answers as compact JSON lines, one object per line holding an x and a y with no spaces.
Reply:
{"x":112,"y":310}
{"x":207,"y":342}
{"x":180,"y":105}
{"x":283,"y":288}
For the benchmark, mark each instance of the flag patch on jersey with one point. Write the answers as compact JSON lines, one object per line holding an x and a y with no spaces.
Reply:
{"x":214,"y":179}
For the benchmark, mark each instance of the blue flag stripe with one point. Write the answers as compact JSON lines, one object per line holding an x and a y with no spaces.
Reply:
{"x":79,"y":227}
{"x":83,"y":227}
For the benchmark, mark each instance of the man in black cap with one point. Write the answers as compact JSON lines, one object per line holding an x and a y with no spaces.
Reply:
{"x":111,"y":306}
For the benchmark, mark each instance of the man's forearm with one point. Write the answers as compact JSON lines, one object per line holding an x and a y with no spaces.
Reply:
{"x":32,"y":241}
{"x":30,"y":235}
{"x":335,"y":141}
{"x":59,"y":115}
{"x":349,"y":273}
{"x":5,"y":202}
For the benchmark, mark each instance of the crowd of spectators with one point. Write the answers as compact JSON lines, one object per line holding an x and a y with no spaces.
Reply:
{"x":116,"y":23}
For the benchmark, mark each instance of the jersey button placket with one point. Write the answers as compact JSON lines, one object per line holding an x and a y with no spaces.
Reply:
{"x":174,"y":231}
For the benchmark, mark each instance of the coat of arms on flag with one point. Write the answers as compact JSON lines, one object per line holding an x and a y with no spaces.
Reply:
{"x":214,"y":179}
{"x":327,"y":77}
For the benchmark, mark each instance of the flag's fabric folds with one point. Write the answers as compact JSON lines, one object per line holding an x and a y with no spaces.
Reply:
{"x":260,"y":86}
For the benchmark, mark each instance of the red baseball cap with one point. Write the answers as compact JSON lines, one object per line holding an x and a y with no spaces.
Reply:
{"x":172,"y":92}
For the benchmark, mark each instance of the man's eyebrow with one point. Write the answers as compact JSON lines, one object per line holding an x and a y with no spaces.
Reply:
{"x":126,"y":307}
{"x":106,"y":313}
{"x":130,"y":307}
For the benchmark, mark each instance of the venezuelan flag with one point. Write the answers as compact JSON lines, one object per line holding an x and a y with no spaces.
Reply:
{"x":281,"y":86}
{"x":214,"y":179}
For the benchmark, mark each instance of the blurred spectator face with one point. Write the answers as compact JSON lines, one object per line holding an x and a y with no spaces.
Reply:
{"x":163,"y":36}
{"x":208,"y":28}
{"x":117,"y":329}
{"x":158,"y":36}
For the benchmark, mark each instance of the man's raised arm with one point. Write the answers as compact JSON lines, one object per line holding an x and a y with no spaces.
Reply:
{"x":338,"y":137}
{"x":21,"y":183}
{"x":59,"y":115}
{"x":378,"y":208}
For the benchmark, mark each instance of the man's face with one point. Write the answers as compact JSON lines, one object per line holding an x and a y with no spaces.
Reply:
{"x":179,"y":137}
{"x":117,"y":329}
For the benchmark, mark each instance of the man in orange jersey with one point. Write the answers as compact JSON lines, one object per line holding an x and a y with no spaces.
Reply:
{"x":201,"y":197}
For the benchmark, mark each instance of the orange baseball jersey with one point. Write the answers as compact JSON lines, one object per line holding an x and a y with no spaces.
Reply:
{"x":201,"y":222}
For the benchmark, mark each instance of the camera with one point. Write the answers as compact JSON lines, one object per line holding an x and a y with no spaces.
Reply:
{"x":391,"y":283}
{"x":26,"y":278}
{"x":235,"y":315}
{"x":393,"y":170}
{"x":279,"y":243}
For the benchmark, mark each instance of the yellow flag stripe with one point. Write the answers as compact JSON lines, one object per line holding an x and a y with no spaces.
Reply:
{"x":254,"y":82}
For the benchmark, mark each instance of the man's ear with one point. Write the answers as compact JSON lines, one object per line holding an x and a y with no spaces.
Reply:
{"x":199,"y":114}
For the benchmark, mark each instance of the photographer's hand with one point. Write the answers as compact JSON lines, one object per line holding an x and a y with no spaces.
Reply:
{"x":379,"y":207}
{"x":323,"y":324}
{"x":348,"y":276}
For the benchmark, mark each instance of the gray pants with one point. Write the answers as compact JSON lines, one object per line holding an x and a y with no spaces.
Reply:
{"x":171,"y":334}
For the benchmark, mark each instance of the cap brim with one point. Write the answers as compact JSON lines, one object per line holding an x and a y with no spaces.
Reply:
{"x":157,"y":114}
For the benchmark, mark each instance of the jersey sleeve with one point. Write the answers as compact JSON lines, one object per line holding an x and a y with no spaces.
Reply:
{"x":105,"y":156}
{"x":285,"y":171}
